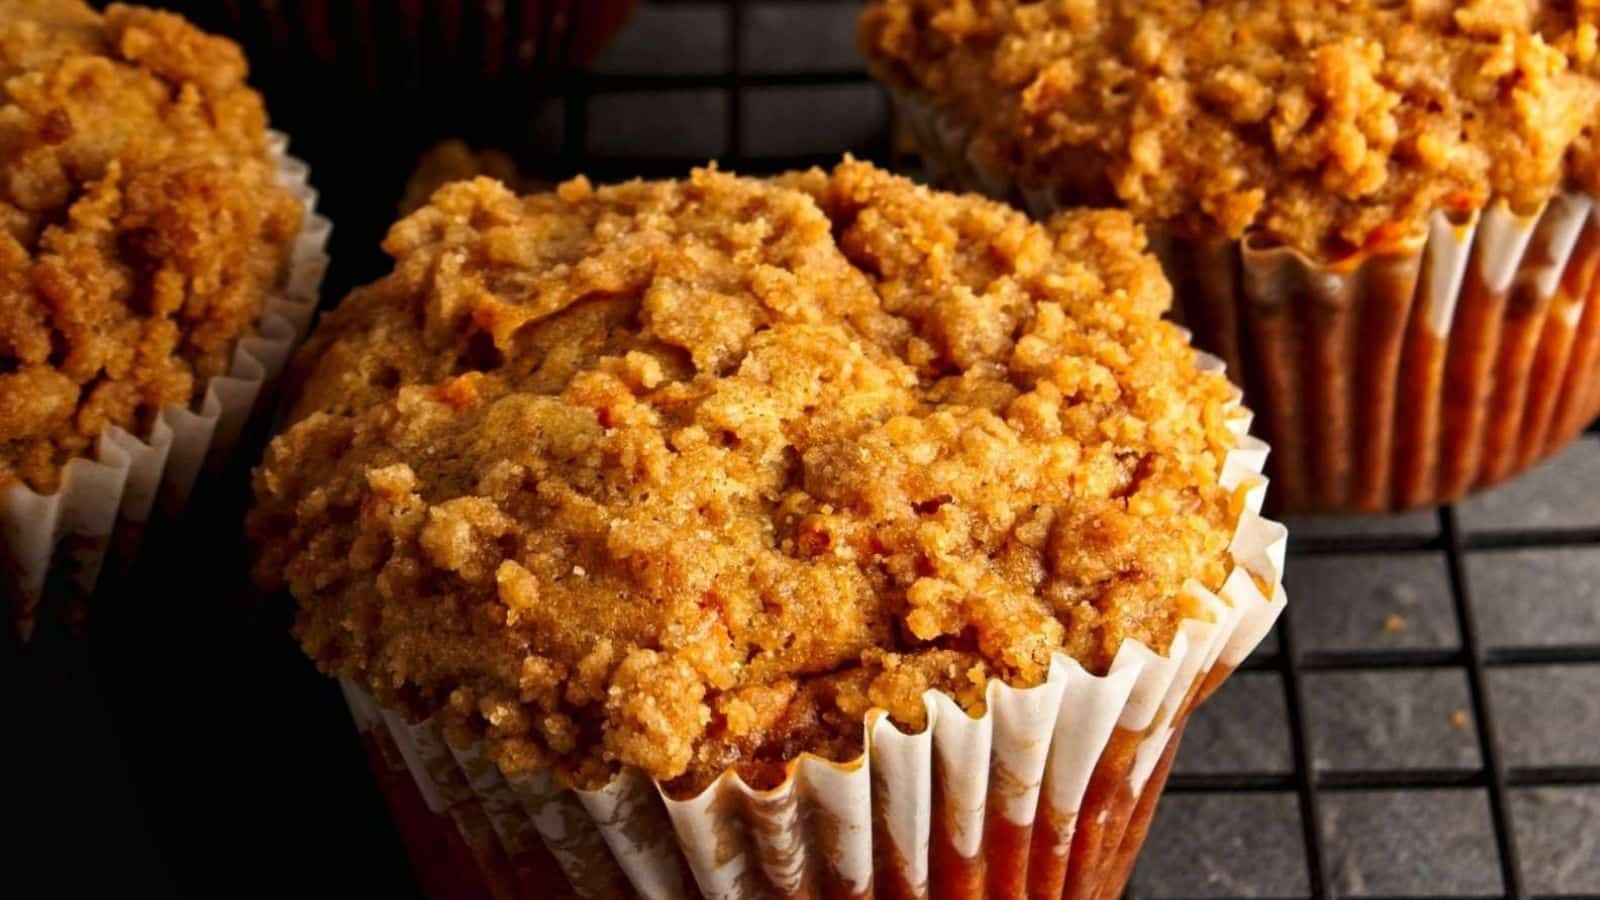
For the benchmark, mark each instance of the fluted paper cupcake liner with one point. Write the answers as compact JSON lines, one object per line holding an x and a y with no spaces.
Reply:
{"x":1389,"y":380}
{"x":1049,"y":793}
{"x":61,"y":540}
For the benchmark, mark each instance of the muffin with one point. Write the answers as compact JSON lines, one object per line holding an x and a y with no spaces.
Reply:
{"x":783,"y":534}
{"x":155,"y":264}
{"x":419,"y":48}
{"x":1378,"y":214}
{"x":409,"y":75}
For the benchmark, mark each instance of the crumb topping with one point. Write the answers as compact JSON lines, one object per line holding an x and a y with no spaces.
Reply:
{"x":689,"y":475}
{"x":1330,"y":126}
{"x":140,"y":226}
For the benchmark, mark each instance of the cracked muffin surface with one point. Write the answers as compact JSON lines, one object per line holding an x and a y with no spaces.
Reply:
{"x":1329,"y":126}
{"x":141,"y":228}
{"x":690,"y":475}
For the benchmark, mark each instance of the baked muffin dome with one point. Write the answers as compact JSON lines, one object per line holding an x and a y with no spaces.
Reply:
{"x":1328,"y":126}
{"x":140,"y":225}
{"x":689,"y":475}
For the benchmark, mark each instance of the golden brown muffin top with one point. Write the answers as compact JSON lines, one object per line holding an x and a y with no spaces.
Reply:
{"x":690,"y":474}
{"x":140,"y":226}
{"x":1330,"y":125}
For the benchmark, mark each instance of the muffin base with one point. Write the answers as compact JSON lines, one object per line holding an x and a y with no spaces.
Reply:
{"x":448,"y":868}
{"x":433,"y":44}
{"x":1386,"y":381}
{"x":1049,"y":793}
{"x":1410,"y":378}
{"x":53,"y":546}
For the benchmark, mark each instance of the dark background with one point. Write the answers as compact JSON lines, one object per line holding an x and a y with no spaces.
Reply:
{"x":1425,"y":722}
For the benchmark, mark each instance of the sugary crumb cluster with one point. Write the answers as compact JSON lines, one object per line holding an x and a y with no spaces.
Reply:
{"x":1331,"y":126}
{"x":689,"y":475}
{"x":140,"y":226}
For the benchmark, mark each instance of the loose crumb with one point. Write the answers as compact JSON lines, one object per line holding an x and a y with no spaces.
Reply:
{"x":1394,"y":623}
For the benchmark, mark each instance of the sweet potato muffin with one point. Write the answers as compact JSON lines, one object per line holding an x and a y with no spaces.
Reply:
{"x":140,"y":225}
{"x":688,"y":475}
{"x":1379,"y":214}
{"x":1329,"y":126}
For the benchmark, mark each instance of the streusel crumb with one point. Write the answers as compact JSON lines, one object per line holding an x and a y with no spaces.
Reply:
{"x":1330,"y":126}
{"x":140,"y":225}
{"x":689,"y":475}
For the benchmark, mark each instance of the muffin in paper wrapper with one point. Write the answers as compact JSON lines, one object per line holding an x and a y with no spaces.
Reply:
{"x":1392,"y":379}
{"x":56,"y":544}
{"x":403,"y":44}
{"x":1048,"y":794}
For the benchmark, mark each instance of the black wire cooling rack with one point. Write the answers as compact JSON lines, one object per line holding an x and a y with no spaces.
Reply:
{"x":1424,"y":722}
{"x":1461,"y":763}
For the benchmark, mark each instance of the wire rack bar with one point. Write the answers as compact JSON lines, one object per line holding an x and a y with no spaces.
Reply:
{"x":1505,"y":835}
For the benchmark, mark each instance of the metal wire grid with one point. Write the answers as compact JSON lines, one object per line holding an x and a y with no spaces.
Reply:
{"x":734,"y":80}
{"x":1291,"y":663}
{"x":571,"y":138}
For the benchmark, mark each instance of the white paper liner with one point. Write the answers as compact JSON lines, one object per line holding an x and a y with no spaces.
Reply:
{"x":1524,"y":370}
{"x":114,"y":493}
{"x":836,"y":829}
